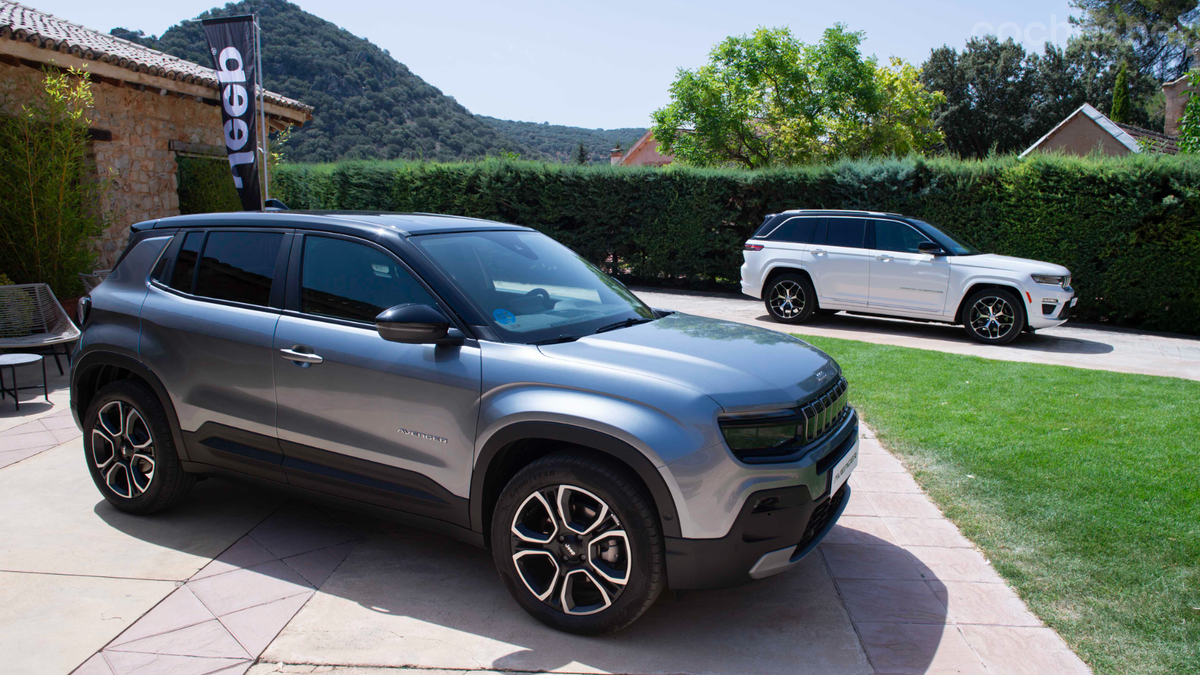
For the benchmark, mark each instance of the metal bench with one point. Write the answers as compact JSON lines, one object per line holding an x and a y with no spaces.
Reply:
{"x":31,"y":318}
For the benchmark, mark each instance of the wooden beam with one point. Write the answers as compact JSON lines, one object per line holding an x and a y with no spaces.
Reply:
{"x":196,"y":148}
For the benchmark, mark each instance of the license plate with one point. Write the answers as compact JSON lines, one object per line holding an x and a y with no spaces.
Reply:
{"x":841,"y":470}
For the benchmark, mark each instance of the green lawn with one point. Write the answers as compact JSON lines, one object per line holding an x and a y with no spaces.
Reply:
{"x":1081,"y":486}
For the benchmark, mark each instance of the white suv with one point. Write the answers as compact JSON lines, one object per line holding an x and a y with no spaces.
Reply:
{"x":800,"y":262}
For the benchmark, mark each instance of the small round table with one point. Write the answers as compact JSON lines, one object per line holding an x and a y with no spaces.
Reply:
{"x":11,"y":361}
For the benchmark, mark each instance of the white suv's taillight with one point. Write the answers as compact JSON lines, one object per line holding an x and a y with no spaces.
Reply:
{"x":752,"y":247}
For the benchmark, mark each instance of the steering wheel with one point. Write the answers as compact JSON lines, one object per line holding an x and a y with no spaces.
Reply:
{"x":542,"y":293}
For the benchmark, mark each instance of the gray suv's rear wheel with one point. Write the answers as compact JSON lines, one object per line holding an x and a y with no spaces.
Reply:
{"x":129,"y":449}
{"x":578,"y":544}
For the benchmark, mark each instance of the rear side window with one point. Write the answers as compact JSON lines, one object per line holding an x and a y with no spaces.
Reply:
{"x":185,"y":262}
{"x":239,"y":266}
{"x":795,"y":231}
{"x":846,"y":232}
{"x":346,"y":280}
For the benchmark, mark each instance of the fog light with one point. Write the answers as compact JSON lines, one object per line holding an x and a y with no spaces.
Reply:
{"x":1049,"y":301}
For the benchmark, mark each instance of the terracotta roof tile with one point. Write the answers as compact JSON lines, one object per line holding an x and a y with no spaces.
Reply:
{"x":1156,"y":142}
{"x":18,"y":22}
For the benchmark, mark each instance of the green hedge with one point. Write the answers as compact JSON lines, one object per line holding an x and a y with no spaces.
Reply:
{"x":206,"y":186}
{"x":1128,"y":228}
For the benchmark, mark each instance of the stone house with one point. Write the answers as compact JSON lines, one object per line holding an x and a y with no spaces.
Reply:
{"x":149,"y":108}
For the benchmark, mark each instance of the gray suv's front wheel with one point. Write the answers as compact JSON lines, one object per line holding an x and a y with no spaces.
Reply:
{"x":578,"y":544}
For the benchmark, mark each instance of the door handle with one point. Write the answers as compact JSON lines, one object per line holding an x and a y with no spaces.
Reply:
{"x":818,"y":251}
{"x":300,"y":357}
{"x":883,"y":257}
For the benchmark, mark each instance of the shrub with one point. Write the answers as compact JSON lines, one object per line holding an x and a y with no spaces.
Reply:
{"x":205,"y":186}
{"x":50,"y":194}
{"x":1128,"y":228}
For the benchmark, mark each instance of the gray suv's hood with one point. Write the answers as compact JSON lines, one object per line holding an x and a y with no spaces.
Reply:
{"x":738,"y":366}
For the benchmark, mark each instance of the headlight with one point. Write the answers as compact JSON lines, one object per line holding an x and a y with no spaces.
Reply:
{"x":783,"y":432}
{"x":1053,"y":280}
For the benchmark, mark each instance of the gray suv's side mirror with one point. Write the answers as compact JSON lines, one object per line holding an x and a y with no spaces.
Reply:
{"x":416,"y":325}
{"x":930,"y":248}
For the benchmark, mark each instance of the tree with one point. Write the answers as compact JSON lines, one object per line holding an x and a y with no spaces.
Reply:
{"x":1120,"y":98}
{"x":1189,"y":124}
{"x":1163,"y":33}
{"x":582,"y":156}
{"x":768,"y":99}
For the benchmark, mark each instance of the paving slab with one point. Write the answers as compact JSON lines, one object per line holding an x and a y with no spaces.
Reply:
{"x":56,"y":521}
{"x":1094,"y":347}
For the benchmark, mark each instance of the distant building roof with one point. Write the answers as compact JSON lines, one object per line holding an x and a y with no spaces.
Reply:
{"x":46,"y":31}
{"x":1135,"y":139}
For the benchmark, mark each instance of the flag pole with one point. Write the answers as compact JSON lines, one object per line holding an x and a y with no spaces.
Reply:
{"x":262,"y":113}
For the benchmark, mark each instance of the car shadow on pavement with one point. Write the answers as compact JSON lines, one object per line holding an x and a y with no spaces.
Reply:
{"x":406,"y":597}
{"x":944,"y":333}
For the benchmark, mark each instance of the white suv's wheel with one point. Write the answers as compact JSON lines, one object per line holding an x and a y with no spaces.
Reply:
{"x":578,"y":544}
{"x":993,"y":316}
{"x":790,"y":298}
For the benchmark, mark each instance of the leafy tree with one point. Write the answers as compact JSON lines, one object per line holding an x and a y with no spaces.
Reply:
{"x":768,"y":99}
{"x":1120,"y":99}
{"x":1163,"y":33}
{"x":582,"y":156}
{"x":1189,"y":124}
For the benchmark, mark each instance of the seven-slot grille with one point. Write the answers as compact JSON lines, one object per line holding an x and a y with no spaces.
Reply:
{"x":822,"y":412}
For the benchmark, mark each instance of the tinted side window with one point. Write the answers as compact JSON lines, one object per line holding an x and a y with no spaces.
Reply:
{"x":239,"y":266}
{"x":848,"y":232}
{"x":819,"y":234}
{"x":345,"y":280}
{"x":185,"y":262}
{"x":795,"y":231}
{"x":893,"y":236}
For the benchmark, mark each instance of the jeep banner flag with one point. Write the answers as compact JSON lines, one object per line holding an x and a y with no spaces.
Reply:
{"x":231,"y":41}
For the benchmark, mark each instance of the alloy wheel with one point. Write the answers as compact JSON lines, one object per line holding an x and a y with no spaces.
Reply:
{"x":123,"y":449}
{"x":570,"y":550}
{"x":787,"y":299}
{"x":992,"y":317}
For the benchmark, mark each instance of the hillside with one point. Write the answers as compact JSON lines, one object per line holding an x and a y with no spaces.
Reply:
{"x":559,"y":143}
{"x":367,"y":104}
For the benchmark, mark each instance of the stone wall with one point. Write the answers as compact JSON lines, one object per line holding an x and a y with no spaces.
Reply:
{"x":1176,"y":94}
{"x":142,"y":168}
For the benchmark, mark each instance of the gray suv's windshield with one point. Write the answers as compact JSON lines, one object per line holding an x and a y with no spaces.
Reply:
{"x":530,"y":287}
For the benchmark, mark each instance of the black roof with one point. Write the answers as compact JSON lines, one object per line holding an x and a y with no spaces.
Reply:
{"x":361,"y":222}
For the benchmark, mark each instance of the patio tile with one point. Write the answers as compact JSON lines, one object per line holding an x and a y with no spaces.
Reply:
{"x":255,"y":627}
{"x":926,"y":532}
{"x":8,"y":457}
{"x":879,"y":463}
{"x":93,"y":666}
{"x":298,"y":528}
{"x":973,"y":602}
{"x":240,"y":589}
{"x":316,"y":566}
{"x":32,"y":426}
{"x":244,"y":553}
{"x":205,"y":639}
{"x":886,"y":482}
{"x":899,"y":505}
{"x":860,"y":530}
{"x":859,"y":506}
{"x":891,"y":601}
{"x":918,"y":649}
{"x":852,"y":561}
{"x":953,"y":564}
{"x":29,"y":440}
{"x":62,"y":420}
{"x":1009,"y":650}
{"x":178,"y":610}
{"x":133,"y":663}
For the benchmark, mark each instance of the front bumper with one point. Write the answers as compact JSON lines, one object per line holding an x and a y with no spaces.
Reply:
{"x":1050,"y":308}
{"x":775,"y":529}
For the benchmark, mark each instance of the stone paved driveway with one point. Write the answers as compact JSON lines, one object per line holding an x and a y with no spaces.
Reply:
{"x":239,"y":580}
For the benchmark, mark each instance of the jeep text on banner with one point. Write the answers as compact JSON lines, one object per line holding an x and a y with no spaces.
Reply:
{"x":231,"y":43}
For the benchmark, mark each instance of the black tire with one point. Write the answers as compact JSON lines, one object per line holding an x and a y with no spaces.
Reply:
{"x":124,"y":425}
{"x":993,"y":316}
{"x":583,"y":478}
{"x":786,"y":286}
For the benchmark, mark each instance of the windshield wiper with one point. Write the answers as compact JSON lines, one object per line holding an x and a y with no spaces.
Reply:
{"x":556,"y":340}
{"x":622,"y":324}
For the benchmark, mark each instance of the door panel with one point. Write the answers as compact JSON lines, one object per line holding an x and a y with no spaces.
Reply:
{"x":839,"y":265}
{"x":901,"y":277}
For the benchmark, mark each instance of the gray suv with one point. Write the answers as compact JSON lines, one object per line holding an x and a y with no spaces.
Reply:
{"x":468,"y":376}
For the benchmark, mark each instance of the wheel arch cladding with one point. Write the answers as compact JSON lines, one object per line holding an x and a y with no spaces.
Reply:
{"x":96,"y":369}
{"x":515,"y":446}
{"x":985,"y":285}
